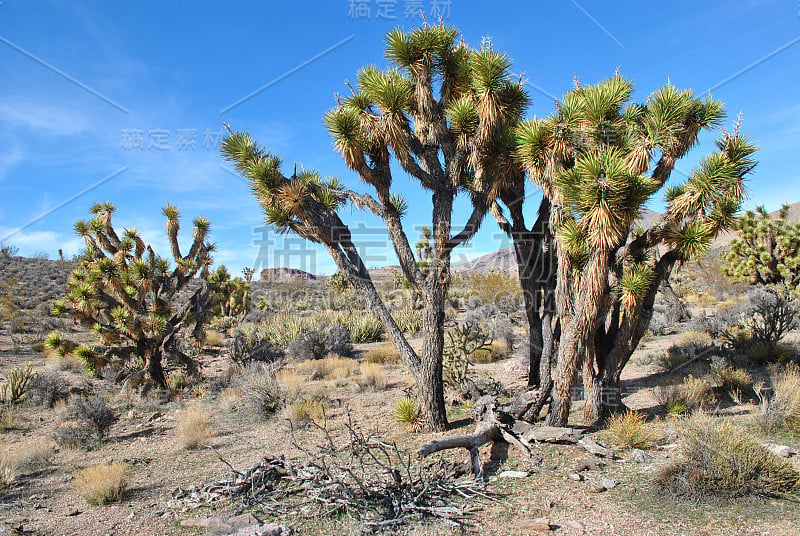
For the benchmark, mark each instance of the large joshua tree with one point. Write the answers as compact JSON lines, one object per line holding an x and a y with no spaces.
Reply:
{"x":446,"y":113}
{"x":133,"y":300}
{"x":598,"y":160}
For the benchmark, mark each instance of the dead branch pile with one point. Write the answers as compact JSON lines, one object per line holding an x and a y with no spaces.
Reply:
{"x":366,"y":478}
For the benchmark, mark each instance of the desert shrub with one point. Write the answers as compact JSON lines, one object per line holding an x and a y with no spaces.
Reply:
{"x":497,"y":288}
{"x":372,"y":376}
{"x":330,"y":367}
{"x":177,"y":380}
{"x":320,"y":341}
{"x":720,"y":460}
{"x":102,"y":484}
{"x":761,"y":352}
{"x":490,"y":353}
{"x":261,"y":392}
{"x":408,"y":413}
{"x":244,"y":348}
{"x":71,"y":436}
{"x":16,"y":384}
{"x":364,"y":328}
{"x":688,"y":347}
{"x":93,"y":412}
{"x":280,"y":329}
{"x":47,"y":387}
{"x":291,"y":383}
{"x":408,"y":319}
{"x":194,"y":426}
{"x":732,"y":379}
{"x":771,"y":313}
{"x":781,"y":411}
{"x":383,"y":353}
{"x":672,"y":397}
{"x":31,"y":455}
{"x":698,"y":392}
{"x":305,"y":411}
{"x":631,"y":430}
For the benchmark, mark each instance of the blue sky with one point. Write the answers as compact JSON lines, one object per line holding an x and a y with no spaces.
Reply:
{"x":124,"y":99}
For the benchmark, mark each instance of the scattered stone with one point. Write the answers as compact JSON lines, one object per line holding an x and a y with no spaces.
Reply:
{"x":206,"y":522}
{"x":574,"y":524}
{"x":513,"y":474}
{"x":640,"y":456}
{"x":783,"y":451}
{"x":132,"y":516}
{"x":247,"y":525}
{"x":73,"y":512}
{"x":540,"y":524}
{"x":574,"y":475}
{"x":590,"y":463}
{"x":595,"y":448}
{"x":609,"y":483}
{"x":596,"y":488}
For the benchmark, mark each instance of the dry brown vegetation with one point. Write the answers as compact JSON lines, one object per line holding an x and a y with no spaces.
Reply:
{"x":152,"y":445}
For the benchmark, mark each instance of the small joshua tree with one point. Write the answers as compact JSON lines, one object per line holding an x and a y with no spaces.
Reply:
{"x":136,"y":303}
{"x":767,"y":250}
{"x":233,"y":294}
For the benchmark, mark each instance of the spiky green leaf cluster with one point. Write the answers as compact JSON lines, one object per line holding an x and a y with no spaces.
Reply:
{"x":766,"y":251}
{"x":288,"y":202}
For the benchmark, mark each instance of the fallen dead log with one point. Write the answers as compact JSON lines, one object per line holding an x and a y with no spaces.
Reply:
{"x":498,"y":426}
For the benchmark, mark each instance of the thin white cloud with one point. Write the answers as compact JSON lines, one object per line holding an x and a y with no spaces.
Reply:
{"x":43,"y":118}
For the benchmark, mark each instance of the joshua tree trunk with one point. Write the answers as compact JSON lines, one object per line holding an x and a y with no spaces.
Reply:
{"x":431,"y":387}
{"x":155,"y":369}
{"x":576,"y":339}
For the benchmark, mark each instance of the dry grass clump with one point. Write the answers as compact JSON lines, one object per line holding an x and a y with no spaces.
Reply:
{"x":372,"y":377}
{"x":9,"y":470}
{"x":328,"y":368}
{"x":720,"y":460}
{"x":260,"y":390}
{"x":305,"y":411}
{"x":33,"y":454}
{"x":194,"y":426}
{"x":782,"y":410}
{"x":102,"y":484}
{"x":698,"y":392}
{"x":490,"y":353}
{"x":733,"y":379}
{"x":631,"y":430}
{"x":291,"y":383}
{"x":177,"y":381}
{"x":383,"y":353}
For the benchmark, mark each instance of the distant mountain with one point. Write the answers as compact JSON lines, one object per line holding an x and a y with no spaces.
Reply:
{"x":285,"y":274}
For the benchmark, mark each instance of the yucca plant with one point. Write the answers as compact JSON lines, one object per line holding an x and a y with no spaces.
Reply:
{"x":233,"y":294}
{"x":135,"y":301}
{"x":598,"y":160}
{"x":766,"y":251}
{"x":446,"y":113}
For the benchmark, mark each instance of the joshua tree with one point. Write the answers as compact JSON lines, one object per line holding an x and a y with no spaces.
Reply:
{"x":446,"y":112}
{"x":598,"y":160}
{"x":248,"y":274}
{"x":767,"y":251}
{"x":232,"y":294}
{"x":133,"y":300}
